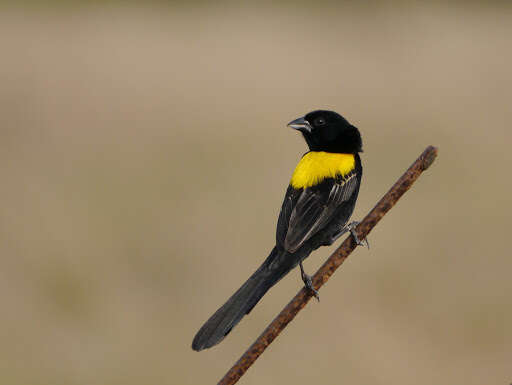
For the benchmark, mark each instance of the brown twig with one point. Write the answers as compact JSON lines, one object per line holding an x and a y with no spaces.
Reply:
{"x":327,"y":269}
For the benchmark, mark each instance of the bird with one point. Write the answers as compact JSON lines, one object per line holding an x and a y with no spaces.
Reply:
{"x":317,"y":206}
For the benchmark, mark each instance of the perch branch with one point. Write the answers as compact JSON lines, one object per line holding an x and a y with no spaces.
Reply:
{"x":327,"y":269}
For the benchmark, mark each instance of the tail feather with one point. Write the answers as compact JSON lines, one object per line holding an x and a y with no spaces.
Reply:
{"x":276,"y":266}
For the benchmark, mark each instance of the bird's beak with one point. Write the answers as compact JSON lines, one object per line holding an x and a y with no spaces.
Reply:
{"x":300,"y":124}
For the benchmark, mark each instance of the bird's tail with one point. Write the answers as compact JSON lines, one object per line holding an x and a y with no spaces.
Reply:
{"x":275,"y":267}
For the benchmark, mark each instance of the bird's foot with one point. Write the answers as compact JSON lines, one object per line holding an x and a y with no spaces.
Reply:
{"x":352,"y":228}
{"x":308,"y":283}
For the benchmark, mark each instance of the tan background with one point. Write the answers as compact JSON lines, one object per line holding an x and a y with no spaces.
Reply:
{"x":144,"y":156}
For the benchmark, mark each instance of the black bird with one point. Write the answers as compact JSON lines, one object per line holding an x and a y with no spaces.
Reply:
{"x":318,"y":203}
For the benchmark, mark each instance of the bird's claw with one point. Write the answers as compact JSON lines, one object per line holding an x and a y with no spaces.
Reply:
{"x":352,"y":228}
{"x":308,"y":283}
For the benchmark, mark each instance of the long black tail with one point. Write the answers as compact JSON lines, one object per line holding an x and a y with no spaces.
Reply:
{"x":275,"y":267}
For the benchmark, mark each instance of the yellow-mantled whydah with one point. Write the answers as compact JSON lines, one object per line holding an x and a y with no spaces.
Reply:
{"x":317,"y":206}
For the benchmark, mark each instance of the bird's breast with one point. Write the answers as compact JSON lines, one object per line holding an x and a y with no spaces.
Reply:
{"x":315,"y":166}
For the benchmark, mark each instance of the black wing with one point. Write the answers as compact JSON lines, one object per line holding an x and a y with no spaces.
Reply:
{"x":306,"y":211}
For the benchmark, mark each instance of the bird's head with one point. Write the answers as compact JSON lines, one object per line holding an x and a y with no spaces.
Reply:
{"x":328,"y":131}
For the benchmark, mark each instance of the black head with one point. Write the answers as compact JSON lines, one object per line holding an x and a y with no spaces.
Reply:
{"x":328,"y":131}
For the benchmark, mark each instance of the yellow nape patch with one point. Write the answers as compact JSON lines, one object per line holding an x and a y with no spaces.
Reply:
{"x":314,"y":167}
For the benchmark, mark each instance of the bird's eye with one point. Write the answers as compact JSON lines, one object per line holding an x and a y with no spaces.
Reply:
{"x":320,"y":122}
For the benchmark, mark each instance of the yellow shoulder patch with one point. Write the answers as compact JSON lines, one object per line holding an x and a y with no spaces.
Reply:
{"x":315,"y":166}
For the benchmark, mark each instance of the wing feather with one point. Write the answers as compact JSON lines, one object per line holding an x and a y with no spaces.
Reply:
{"x":314,"y":208}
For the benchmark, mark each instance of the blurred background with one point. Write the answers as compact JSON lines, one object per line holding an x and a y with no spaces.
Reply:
{"x":144,"y":155}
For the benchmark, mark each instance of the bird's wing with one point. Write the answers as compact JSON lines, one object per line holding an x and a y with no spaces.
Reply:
{"x":306,"y":211}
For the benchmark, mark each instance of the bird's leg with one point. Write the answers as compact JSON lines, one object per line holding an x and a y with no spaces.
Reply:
{"x":335,"y":236}
{"x":307,"y":281}
{"x":350,"y":227}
